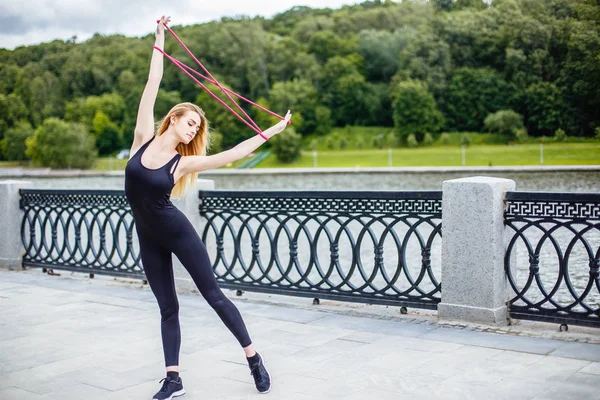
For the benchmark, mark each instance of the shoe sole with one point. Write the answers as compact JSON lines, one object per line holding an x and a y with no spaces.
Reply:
{"x":176,"y":394}
{"x":270,"y":380}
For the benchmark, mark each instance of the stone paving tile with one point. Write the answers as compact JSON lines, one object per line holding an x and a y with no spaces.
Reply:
{"x":506,"y":389}
{"x":581,"y":351}
{"x":577,"y":386}
{"x":95,"y":347}
{"x":374,"y":394}
{"x":363,"y":337}
{"x":375,"y":325}
{"x":593,"y":369}
{"x":14,"y":393}
{"x":282,"y":314}
{"x":327,"y":350}
{"x":553,"y":369}
{"x":110,"y":380}
{"x":509,"y":356}
{"x":143,"y":391}
{"x":493,"y":340}
{"x":78,"y":391}
{"x":298,"y":339}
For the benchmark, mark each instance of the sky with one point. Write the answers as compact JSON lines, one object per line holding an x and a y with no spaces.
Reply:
{"x":25,"y":22}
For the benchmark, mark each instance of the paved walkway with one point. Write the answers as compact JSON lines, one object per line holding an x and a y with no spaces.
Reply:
{"x":64,"y":338}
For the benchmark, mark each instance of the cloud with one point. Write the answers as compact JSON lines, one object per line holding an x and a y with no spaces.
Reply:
{"x":35,"y":21}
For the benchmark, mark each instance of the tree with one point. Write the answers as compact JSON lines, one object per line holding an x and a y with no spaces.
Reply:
{"x":326,"y":44}
{"x":475,"y":37}
{"x":107,"y":134}
{"x":411,"y":141}
{"x":581,"y":74}
{"x":427,"y":58}
{"x":444,"y":5}
{"x":286,"y":146}
{"x":238,"y":51}
{"x":222,"y":120}
{"x":323,"y":120}
{"x":428,"y":139}
{"x":164,"y":102}
{"x":504,"y":122}
{"x":297,"y":18}
{"x":560,"y":135}
{"x":288,"y":59}
{"x":473,"y":94}
{"x":415,"y":111}
{"x":301,"y":97}
{"x":343,"y":91}
{"x":476,"y":4}
{"x":380,"y":50}
{"x":13,"y":145}
{"x":377,"y":105}
{"x":45,"y":97}
{"x":10,"y":74}
{"x":12,"y":109}
{"x":58,"y":144}
{"x":76,"y":77}
{"x":544,"y":108}
{"x":308,"y":27}
{"x":216,"y":143}
{"x":385,"y":16}
{"x":111,"y":104}
{"x":540,"y":57}
{"x":127,"y":83}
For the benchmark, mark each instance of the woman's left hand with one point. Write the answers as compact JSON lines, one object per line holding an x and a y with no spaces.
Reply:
{"x":280,"y":126}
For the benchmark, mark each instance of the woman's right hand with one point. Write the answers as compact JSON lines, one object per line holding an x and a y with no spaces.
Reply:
{"x":160,"y":29}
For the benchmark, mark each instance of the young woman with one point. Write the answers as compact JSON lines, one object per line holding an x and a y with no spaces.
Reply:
{"x":168,"y":163}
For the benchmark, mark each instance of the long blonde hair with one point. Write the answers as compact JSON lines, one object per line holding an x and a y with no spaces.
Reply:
{"x":196,"y":147}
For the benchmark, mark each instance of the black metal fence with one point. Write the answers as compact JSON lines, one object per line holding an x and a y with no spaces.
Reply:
{"x":553,"y":257}
{"x":79,"y":230}
{"x":380,"y":247}
{"x":350,"y":246}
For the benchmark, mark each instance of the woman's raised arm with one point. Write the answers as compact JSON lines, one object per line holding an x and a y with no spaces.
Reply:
{"x":190,"y":164}
{"x":144,"y":127}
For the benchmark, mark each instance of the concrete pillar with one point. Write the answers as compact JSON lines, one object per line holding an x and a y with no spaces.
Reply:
{"x":11,"y":248}
{"x":474,"y":284}
{"x":189,"y":206}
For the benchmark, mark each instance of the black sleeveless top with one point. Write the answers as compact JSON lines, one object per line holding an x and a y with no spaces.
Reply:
{"x":149,"y":190}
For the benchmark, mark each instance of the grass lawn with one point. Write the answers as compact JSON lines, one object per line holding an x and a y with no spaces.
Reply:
{"x":524,"y":154}
{"x":476,"y":155}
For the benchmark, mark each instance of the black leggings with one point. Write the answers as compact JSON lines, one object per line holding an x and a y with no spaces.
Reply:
{"x":158,"y":266}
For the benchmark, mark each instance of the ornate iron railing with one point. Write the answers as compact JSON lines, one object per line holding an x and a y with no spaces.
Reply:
{"x":381,"y":247}
{"x":553,"y":257}
{"x":79,"y":230}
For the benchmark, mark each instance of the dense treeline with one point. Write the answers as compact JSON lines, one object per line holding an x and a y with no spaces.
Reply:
{"x":423,"y":67}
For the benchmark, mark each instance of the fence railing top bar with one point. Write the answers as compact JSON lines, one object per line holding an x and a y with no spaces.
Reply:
{"x":553,"y":197}
{"x":85,"y":192}
{"x":310,"y":194}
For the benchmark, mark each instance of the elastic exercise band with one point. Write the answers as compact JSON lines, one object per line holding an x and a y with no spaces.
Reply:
{"x":192,"y":70}
{"x":214,"y":81}
{"x":176,"y":62}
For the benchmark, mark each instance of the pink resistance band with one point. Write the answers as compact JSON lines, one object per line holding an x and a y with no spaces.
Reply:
{"x":214,"y":81}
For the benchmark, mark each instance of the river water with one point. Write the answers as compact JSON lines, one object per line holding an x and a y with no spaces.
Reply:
{"x":525,"y":181}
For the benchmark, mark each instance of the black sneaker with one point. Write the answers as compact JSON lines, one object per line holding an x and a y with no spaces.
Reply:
{"x":170,"y":389}
{"x":261,"y":376}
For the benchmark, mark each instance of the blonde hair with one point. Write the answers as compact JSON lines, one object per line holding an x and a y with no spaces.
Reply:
{"x":196,"y":147}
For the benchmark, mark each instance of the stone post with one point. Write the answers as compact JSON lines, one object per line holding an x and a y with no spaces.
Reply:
{"x":11,"y":249}
{"x":189,"y":206}
{"x":474,"y":284}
